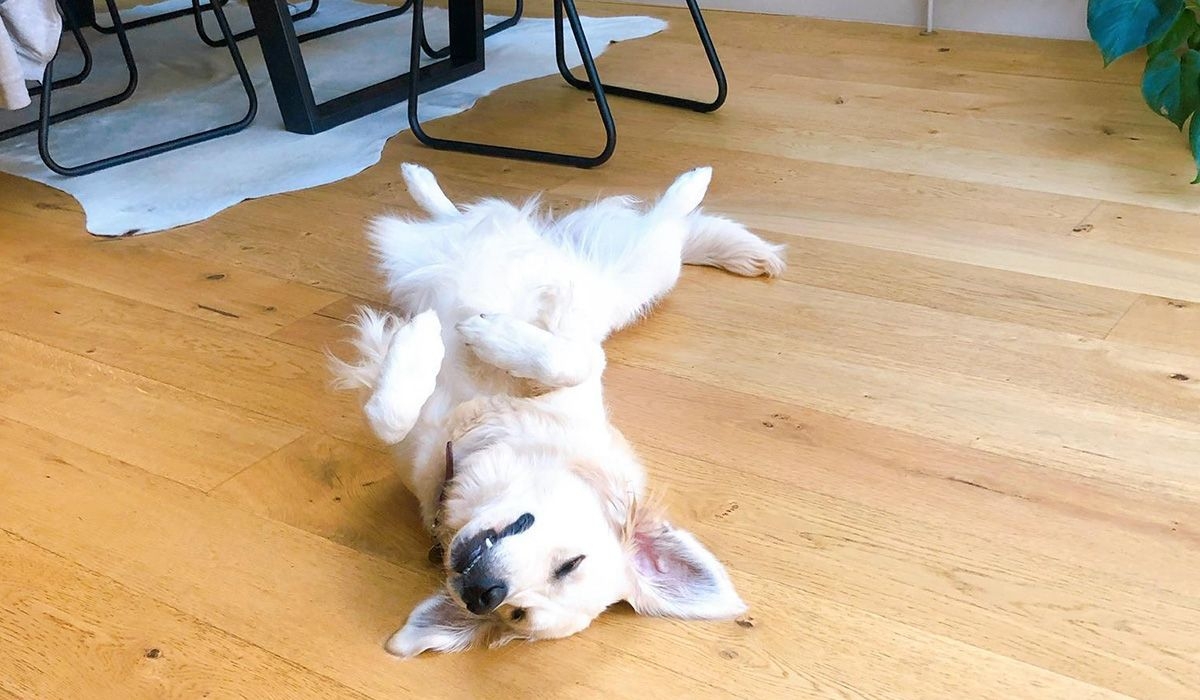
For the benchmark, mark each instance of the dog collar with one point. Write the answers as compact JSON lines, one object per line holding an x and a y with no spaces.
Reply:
{"x":437,"y":552}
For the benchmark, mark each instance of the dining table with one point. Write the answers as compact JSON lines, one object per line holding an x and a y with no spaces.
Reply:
{"x":301,"y":112}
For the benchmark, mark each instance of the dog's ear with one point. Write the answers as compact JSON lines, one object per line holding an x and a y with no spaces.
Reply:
{"x":437,"y":624}
{"x":673,"y":575}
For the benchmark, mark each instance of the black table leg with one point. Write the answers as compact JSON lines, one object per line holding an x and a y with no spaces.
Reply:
{"x":293,"y":89}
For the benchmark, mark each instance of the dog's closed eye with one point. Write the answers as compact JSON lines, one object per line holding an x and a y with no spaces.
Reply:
{"x":568,"y":566}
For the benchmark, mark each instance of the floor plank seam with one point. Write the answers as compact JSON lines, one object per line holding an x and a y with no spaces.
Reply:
{"x":1115,"y":326}
{"x":306,"y":434}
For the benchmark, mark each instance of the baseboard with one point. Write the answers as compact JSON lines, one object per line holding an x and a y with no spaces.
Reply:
{"x":1052,"y":19}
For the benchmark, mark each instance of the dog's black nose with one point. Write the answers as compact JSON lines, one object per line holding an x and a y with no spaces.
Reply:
{"x":485,"y":597}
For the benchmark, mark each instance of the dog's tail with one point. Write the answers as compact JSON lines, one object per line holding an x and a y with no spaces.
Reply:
{"x":715,"y":241}
{"x":373,"y":333}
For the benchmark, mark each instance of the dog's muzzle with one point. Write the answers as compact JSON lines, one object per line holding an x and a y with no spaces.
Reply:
{"x":481,"y":590}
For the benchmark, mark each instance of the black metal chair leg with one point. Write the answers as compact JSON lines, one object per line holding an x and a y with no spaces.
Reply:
{"x":431,"y":52}
{"x":713,"y":61}
{"x":84,"y":72}
{"x":355,"y":23}
{"x":511,"y":20}
{"x":220,"y":42}
{"x":483,"y":149}
{"x":147,"y":21}
{"x":308,"y":36}
{"x":200,"y":28}
{"x":45,"y":120}
{"x":47,"y":79}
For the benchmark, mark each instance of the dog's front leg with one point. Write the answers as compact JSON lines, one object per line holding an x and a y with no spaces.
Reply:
{"x":526,"y":351}
{"x":407,"y":378}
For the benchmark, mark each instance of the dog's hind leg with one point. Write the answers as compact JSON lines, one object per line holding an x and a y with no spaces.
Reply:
{"x":677,"y":233}
{"x":406,"y":377}
{"x":426,"y":191}
{"x":528,"y":352}
{"x":649,"y":268}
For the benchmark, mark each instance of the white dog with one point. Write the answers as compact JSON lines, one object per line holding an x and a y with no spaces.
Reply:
{"x":491,"y":394}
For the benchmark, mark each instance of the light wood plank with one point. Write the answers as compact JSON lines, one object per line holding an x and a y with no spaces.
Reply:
{"x":70,"y":633}
{"x":228,"y":295}
{"x":348,"y":494}
{"x":167,"y":431}
{"x":241,"y":369}
{"x":946,"y":457}
{"x":755,"y":183}
{"x":822,"y":534}
{"x":813,"y":450}
{"x":1142,"y":227}
{"x":1166,"y":324}
{"x":322,"y":330}
{"x":976,"y":291}
{"x":1067,"y":258}
{"x":1134,"y":448}
{"x":362,"y":598}
{"x":355,"y":613}
{"x":1125,"y":169}
{"x":1105,"y":372}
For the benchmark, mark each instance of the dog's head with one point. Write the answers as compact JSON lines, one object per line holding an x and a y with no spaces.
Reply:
{"x":539,"y":542}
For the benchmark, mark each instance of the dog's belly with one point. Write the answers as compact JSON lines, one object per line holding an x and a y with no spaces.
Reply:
{"x":528,"y":278}
{"x":422,"y":452}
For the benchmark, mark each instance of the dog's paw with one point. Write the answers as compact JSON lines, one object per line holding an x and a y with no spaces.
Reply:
{"x":686,"y":193}
{"x":390,"y":420}
{"x":427,"y":328}
{"x":407,"y":379}
{"x":757,"y":260}
{"x":528,"y":352}
{"x":426,"y":191}
{"x":503,"y":341}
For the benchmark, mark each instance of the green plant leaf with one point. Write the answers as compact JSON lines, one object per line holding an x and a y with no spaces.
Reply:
{"x":1171,"y":84}
{"x":1194,"y":142}
{"x":1181,"y":33}
{"x":1121,"y":26}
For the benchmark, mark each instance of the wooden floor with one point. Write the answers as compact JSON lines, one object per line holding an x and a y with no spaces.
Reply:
{"x":954,"y":453}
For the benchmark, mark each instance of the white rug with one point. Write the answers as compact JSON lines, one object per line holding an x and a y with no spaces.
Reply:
{"x":186,"y":86}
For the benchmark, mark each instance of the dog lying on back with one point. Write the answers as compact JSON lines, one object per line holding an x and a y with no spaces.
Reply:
{"x":488,"y":385}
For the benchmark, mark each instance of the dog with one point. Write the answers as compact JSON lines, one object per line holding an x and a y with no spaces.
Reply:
{"x":488,"y":386}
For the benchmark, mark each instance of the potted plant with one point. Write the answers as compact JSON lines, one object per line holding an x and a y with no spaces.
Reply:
{"x":1169,"y":32}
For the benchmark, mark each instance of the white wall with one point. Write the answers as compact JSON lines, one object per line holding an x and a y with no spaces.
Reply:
{"x":1059,"y":19}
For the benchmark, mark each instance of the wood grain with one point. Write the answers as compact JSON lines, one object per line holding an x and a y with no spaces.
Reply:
{"x":79,"y":399}
{"x":951,"y":454}
{"x":242,"y":369}
{"x":238,"y":298}
{"x":1167,"y":324}
{"x":70,"y":632}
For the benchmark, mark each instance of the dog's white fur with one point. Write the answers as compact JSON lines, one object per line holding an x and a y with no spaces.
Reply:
{"x":501,"y":354}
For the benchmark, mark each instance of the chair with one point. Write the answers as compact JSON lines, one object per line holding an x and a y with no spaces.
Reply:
{"x":75,"y":14}
{"x":599,"y":90}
